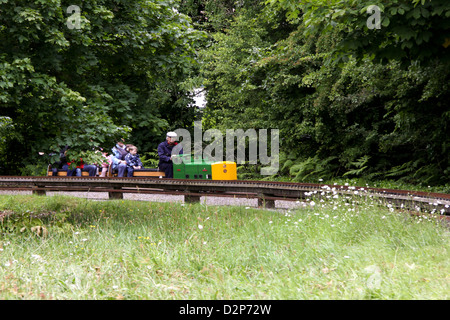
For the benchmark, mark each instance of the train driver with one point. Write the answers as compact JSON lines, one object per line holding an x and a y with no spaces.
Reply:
{"x":165,"y":154}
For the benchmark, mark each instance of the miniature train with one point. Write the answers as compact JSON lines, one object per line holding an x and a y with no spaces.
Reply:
{"x":195,"y":169}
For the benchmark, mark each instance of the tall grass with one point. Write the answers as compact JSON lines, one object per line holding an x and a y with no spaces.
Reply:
{"x":334,"y":249}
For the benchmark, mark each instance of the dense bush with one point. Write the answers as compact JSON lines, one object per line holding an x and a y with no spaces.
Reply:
{"x":340,"y":114}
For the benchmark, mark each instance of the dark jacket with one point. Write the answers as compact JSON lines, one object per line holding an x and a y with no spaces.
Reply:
{"x":133,"y":160}
{"x":62,"y":158}
{"x":165,"y":152}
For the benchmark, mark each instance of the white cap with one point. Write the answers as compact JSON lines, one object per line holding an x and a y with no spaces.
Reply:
{"x":171,"y":134}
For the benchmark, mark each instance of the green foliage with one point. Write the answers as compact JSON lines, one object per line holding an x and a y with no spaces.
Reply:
{"x":358,"y":117}
{"x":360,"y":164}
{"x":150,"y":160}
{"x":76,"y":158}
{"x":33,"y":169}
{"x":13,"y":223}
{"x":119,"y":72}
{"x":410,"y":30}
{"x":312,"y":169}
{"x":216,"y":15}
{"x":348,"y":100}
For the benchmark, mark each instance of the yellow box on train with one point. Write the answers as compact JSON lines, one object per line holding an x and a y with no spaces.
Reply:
{"x":224,"y":170}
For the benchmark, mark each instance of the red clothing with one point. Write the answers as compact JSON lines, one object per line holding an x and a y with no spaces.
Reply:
{"x":81,"y":166}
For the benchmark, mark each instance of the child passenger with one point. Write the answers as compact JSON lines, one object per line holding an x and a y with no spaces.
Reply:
{"x":133,"y":160}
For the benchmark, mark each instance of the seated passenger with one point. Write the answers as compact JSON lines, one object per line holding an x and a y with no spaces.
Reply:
{"x":105,"y":165}
{"x":58,"y":164}
{"x":92,"y":169}
{"x":62,"y":160}
{"x":65,"y":166}
{"x":133,"y":160}
{"x":118,"y":159}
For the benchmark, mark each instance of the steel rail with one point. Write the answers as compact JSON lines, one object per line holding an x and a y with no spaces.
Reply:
{"x":267,"y":192}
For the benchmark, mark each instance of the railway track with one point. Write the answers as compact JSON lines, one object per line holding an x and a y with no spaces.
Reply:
{"x":267,"y":192}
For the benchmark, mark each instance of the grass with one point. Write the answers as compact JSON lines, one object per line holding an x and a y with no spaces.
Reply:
{"x":335,"y":249}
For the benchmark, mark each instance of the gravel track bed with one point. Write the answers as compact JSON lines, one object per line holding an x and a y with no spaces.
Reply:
{"x":216,"y":201}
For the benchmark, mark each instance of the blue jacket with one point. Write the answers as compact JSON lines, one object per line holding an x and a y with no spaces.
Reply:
{"x":117,"y":155}
{"x":165,"y":152}
{"x":133,"y":160}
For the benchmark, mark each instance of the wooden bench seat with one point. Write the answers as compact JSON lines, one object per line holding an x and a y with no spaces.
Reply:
{"x":63,"y":173}
{"x":137,"y":173}
{"x":148,"y":173}
{"x":140,"y":173}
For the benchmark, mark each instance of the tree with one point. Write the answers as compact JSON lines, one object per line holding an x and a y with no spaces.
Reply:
{"x":84,"y":73}
{"x":354,"y":118}
{"x":408,"y":30}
